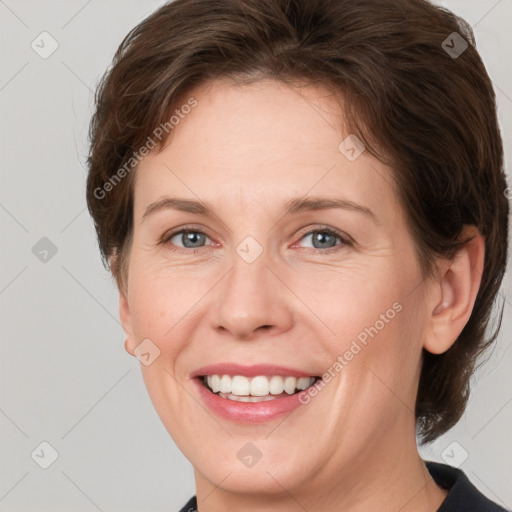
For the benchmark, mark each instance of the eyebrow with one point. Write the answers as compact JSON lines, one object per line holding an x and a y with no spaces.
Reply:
{"x":292,"y":206}
{"x":322,"y":203}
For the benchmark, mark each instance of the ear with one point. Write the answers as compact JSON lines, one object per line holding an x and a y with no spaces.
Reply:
{"x":124,"y":311}
{"x":126,"y":322}
{"x":454,"y":294}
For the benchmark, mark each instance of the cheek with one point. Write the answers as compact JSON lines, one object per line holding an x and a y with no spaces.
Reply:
{"x":351,"y":299}
{"x":374,"y":322}
{"x":160,"y":298}
{"x":390,"y":342}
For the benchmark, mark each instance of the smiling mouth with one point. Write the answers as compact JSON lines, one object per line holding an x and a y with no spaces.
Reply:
{"x":256,"y":389}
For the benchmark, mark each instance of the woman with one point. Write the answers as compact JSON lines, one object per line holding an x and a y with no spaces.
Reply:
{"x":304,"y":207}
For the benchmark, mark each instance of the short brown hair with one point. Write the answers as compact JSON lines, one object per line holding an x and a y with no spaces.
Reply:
{"x":432,"y":111}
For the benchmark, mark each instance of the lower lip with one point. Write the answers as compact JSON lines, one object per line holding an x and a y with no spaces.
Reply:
{"x":247,"y":412}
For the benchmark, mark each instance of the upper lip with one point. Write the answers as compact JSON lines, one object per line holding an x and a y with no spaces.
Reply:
{"x":249,"y":371}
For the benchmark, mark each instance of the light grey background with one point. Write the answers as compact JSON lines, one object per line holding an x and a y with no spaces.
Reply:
{"x":65,"y":377}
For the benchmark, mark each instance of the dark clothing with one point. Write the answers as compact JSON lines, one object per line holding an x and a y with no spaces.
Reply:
{"x":462,"y":496}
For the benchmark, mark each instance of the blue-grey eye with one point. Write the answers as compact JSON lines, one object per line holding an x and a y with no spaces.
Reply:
{"x":323,"y":239}
{"x":190,"y":239}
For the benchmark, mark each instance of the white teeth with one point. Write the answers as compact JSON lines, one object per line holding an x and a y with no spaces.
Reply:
{"x":215,"y":385}
{"x":225,"y":384}
{"x":276,"y":385}
{"x":240,"y":385}
{"x":304,"y":383}
{"x":289,"y":385}
{"x":260,"y":386}
{"x":236,"y":398}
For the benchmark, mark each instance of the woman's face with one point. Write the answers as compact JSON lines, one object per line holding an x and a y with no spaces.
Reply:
{"x":258,"y":281}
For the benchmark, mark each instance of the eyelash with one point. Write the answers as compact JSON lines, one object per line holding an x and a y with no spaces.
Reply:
{"x":345,"y":241}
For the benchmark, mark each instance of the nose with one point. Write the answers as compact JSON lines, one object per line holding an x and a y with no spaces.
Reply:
{"x":251,"y":301}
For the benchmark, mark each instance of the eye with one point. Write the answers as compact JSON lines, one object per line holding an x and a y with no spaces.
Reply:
{"x":325,"y":238}
{"x":190,"y":238}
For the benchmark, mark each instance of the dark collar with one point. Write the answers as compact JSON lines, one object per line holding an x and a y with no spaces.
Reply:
{"x":462,"y":494}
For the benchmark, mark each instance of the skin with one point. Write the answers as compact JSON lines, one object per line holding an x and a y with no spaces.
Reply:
{"x":246,"y":150}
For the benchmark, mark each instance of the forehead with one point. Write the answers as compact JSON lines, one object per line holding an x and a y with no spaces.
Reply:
{"x":263,"y":141}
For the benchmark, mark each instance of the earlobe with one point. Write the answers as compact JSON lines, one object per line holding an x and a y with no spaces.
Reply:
{"x":459,"y":283}
{"x":129,"y":345}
